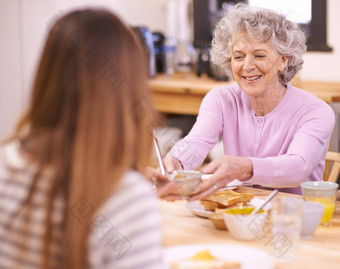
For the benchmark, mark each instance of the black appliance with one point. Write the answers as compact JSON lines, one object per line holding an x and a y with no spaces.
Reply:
{"x":158,"y":43}
{"x":144,"y":36}
{"x":206,"y":14}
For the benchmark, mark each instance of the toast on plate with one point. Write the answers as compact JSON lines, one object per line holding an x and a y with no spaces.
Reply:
{"x":224,"y":199}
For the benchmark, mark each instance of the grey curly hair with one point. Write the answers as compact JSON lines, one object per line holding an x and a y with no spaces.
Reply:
{"x":264,"y":25}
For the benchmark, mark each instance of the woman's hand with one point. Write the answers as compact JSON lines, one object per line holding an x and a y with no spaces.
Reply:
{"x":171,"y":163}
{"x":224,"y":170}
{"x":164,"y":191}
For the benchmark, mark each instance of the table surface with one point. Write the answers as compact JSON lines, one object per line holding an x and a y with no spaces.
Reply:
{"x":180,"y":227}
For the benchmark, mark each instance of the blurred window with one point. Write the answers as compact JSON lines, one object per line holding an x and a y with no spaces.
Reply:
{"x":309,"y":14}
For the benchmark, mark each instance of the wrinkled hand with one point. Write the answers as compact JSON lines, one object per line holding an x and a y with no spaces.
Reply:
{"x":164,"y":191}
{"x":224,"y":170}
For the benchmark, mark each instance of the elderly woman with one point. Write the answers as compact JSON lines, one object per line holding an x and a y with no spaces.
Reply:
{"x":274,"y":134}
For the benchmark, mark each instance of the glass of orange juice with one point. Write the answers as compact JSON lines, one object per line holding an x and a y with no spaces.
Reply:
{"x":322,"y":192}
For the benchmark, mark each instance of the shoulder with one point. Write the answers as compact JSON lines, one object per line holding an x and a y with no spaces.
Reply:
{"x":126,"y":231}
{"x":134,"y":183}
{"x":309,"y":98}
{"x":224,"y":97}
{"x":133,"y":194}
{"x":3,"y":170}
{"x":10,"y":159}
{"x":310,"y":103}
{"x":310,"y":109}
{"x":231,"y":90}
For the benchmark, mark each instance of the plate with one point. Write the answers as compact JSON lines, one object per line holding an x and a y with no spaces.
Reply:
{"x":250,"y":258}
{"x":199,"y":210}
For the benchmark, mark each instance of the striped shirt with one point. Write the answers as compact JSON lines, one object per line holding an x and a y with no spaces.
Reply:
{"x":125,"y":234}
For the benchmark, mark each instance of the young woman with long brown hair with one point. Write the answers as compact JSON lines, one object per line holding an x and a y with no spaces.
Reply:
{"x":70,"y":193}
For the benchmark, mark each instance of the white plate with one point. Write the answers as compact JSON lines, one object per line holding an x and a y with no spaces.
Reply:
{"x":199,"y":210}
{"x":250,"y":258}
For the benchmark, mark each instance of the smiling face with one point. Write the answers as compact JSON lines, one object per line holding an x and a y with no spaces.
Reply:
{"x":255,"y":65}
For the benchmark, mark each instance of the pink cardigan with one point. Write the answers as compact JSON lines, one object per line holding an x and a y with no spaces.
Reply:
{"x":286,"y":146}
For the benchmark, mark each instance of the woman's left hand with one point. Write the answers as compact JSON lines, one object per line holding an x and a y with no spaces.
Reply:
{"x":224,"y":170}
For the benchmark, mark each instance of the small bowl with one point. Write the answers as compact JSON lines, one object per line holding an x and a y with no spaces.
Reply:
{"x":188,"y":181}
{"x":241,"y":225}
{"x":312,"y":213}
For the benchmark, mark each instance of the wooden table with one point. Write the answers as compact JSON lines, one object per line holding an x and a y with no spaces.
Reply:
{"x":183,"y":95}
{"x":180,"y":226}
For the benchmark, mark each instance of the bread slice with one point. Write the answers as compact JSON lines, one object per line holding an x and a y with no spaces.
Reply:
{"x":210,"y":205}
{"x":225,"y":198}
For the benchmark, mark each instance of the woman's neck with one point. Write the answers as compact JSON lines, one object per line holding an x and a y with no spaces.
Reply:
{"x":265,"y":103}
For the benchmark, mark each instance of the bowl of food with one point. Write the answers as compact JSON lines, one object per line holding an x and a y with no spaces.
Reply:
{"x":187,"y":181}
{"x":242,"y":225}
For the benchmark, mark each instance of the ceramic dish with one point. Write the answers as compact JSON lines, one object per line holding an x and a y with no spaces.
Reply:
{"x":199,"y":210}
{"x":250,"y":258}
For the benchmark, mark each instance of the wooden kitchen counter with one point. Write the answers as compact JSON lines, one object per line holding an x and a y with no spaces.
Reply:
{"x":183,"y":95}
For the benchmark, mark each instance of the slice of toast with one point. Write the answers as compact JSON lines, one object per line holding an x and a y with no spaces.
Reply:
{"x":225,"y":198}
{"x":210,"y":205}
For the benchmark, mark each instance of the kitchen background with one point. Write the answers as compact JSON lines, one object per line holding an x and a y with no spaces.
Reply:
{"x":24,"y":25}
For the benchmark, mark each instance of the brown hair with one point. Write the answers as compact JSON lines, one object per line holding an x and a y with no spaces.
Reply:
{"x":89,"y":121}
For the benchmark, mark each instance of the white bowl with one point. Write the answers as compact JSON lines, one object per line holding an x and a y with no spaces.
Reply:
{"x":244,"y":226}
{"x":312,"y":213}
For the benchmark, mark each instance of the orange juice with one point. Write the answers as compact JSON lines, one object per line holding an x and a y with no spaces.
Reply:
{"x":329,"y":204}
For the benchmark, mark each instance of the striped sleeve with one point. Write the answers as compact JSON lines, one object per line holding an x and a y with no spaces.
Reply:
{"x":126,"y":233}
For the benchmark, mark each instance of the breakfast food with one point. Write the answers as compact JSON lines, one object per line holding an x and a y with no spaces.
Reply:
{"x":205,"y":260}
{"x":224,"y":199}
{"x":185,"y":174}
{"x":179,"y":176}
{"x":217,"y":220}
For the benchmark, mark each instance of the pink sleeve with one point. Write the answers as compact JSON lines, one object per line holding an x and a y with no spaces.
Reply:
{"x":193,"y":149}
{"x":306,"y":151}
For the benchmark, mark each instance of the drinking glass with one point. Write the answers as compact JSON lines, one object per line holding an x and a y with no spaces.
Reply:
{"x":323,"y":192}
{"x":286,"y":220}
